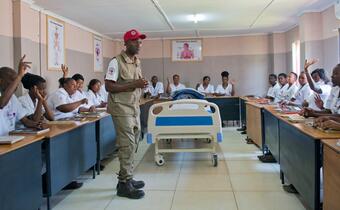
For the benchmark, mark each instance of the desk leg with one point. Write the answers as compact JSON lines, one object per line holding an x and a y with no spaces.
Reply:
{"x":282,"y":177}
{"x":98,"y":146}
{"x":48,"y":202}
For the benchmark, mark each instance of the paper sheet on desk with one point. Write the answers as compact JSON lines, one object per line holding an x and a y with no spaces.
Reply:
{"x":10,"y":139}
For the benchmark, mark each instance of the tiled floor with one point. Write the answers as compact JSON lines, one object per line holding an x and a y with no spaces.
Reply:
{"x":189,"y":182}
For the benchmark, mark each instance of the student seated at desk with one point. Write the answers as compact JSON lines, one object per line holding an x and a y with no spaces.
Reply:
{"x":93,"y":94}
{"x":64,"y":104}
{"x":288,"y":90}
{"x":274,"y":89}
{"x":65,"y":71}
{"x":176,"y":85}
{"x":283,"y":85}
{"x":79,"y":94}
{"x":303,"y":93}
{"x":34,"y":102}
{"x":155,"y":88}
{"x":11,"y":111}
{"x":226,"y":88}
{"x":319,"y":83}
{"x":333,"y":102}
{"x":206,"y":88}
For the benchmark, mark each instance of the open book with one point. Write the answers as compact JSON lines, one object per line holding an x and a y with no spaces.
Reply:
{"x":90,"y":114}
{"x":68,"y":120}
{"x":33,"y":131}
{"x":10,"y":139}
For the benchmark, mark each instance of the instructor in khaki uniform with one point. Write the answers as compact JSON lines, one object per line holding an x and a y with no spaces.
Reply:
{"x":124,"y":83}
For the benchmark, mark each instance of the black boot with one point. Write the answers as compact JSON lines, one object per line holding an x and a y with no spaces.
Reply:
{"x":125,"y":189}
{"x":136,"y":184}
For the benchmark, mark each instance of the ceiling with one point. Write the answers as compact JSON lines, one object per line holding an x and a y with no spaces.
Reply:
{"x":169,"y":18}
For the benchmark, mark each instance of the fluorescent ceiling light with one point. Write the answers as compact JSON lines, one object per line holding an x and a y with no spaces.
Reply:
{"x":196,"y":17}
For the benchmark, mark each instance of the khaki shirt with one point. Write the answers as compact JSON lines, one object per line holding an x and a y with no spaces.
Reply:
{"x":126,"y":103}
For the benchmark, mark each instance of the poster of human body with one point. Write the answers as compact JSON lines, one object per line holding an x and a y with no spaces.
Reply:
{"x":55,"y":43}
{"x":187,"y":50}
{"x":98,"y":54}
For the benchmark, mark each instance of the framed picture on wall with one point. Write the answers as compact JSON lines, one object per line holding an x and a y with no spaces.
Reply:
{"x":55,"y":43}
{"x":98,"y":54}
{"x":186,"y":50}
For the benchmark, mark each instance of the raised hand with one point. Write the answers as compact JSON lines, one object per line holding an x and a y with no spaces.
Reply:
{"x":65,"y":70}
{"x":23,"y":65}
{"x":308,"y":63}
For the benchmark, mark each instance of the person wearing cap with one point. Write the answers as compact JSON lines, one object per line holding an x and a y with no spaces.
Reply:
{"x":125,"y":85}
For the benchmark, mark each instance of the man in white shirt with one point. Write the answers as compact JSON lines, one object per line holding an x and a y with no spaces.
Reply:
{"x":64,"y":104}
{"x":303,"y":93}
{"x":274,"y":89}
{"x":206,"y":88}
{"x":332,"y":105}
{"x":176,"y":85}
{"x":155,"y":88}
{"x":11,"y":111}
{"x":283,"y":86}
{"x":288,"y":90}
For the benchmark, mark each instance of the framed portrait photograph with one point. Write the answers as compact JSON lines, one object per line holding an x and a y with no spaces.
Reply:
{"x":97,"y":54}
{"x":186,"y":50}
{"x":55,"y":43}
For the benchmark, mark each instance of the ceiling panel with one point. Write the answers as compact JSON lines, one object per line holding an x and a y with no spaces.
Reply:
{"x":222,"y":17}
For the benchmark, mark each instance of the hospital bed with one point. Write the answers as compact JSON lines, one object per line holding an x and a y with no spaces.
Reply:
{"x":184,"y":119}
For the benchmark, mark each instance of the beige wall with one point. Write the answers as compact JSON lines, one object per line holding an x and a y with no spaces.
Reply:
{"x":249,"y":59}
{"x":6,"y":33}
{"x":245,"y":57}
{"x":24,"y":32}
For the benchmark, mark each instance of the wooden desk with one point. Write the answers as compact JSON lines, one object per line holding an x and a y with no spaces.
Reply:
{"x":271,"y":134}
{"x":331,"y":177}
{"x":70,"y":151}
{"x":20,"y":172}
{"x":300,"y":157}
{"x":254,"y":122}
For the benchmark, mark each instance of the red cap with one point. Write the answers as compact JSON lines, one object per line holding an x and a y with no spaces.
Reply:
{"x":133,"y":35}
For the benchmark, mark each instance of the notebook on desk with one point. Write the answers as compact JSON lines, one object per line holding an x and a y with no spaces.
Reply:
{"x":68,"y":120}
{"x":295,"y":118}
{"x":10,"y":139}
{"x":90,"y":114}
{"x":32,"y":131}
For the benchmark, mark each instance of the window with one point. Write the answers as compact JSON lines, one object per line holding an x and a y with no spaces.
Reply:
{"x":296,"y":57}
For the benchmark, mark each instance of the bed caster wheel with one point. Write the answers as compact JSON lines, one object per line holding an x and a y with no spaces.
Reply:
{"x":159,"y":160}
{"x":215,"y":160}
{"x":208,"y":141}
{"x":168,"y":141}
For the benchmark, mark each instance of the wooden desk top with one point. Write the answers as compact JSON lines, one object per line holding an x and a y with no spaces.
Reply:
{"x":248,"y":98}
{"x":332,"y":144}
{"x":222,"y":97}
{"x":254,"y":103}
{"x":306,"y":129}
{"x":29,"y":139}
